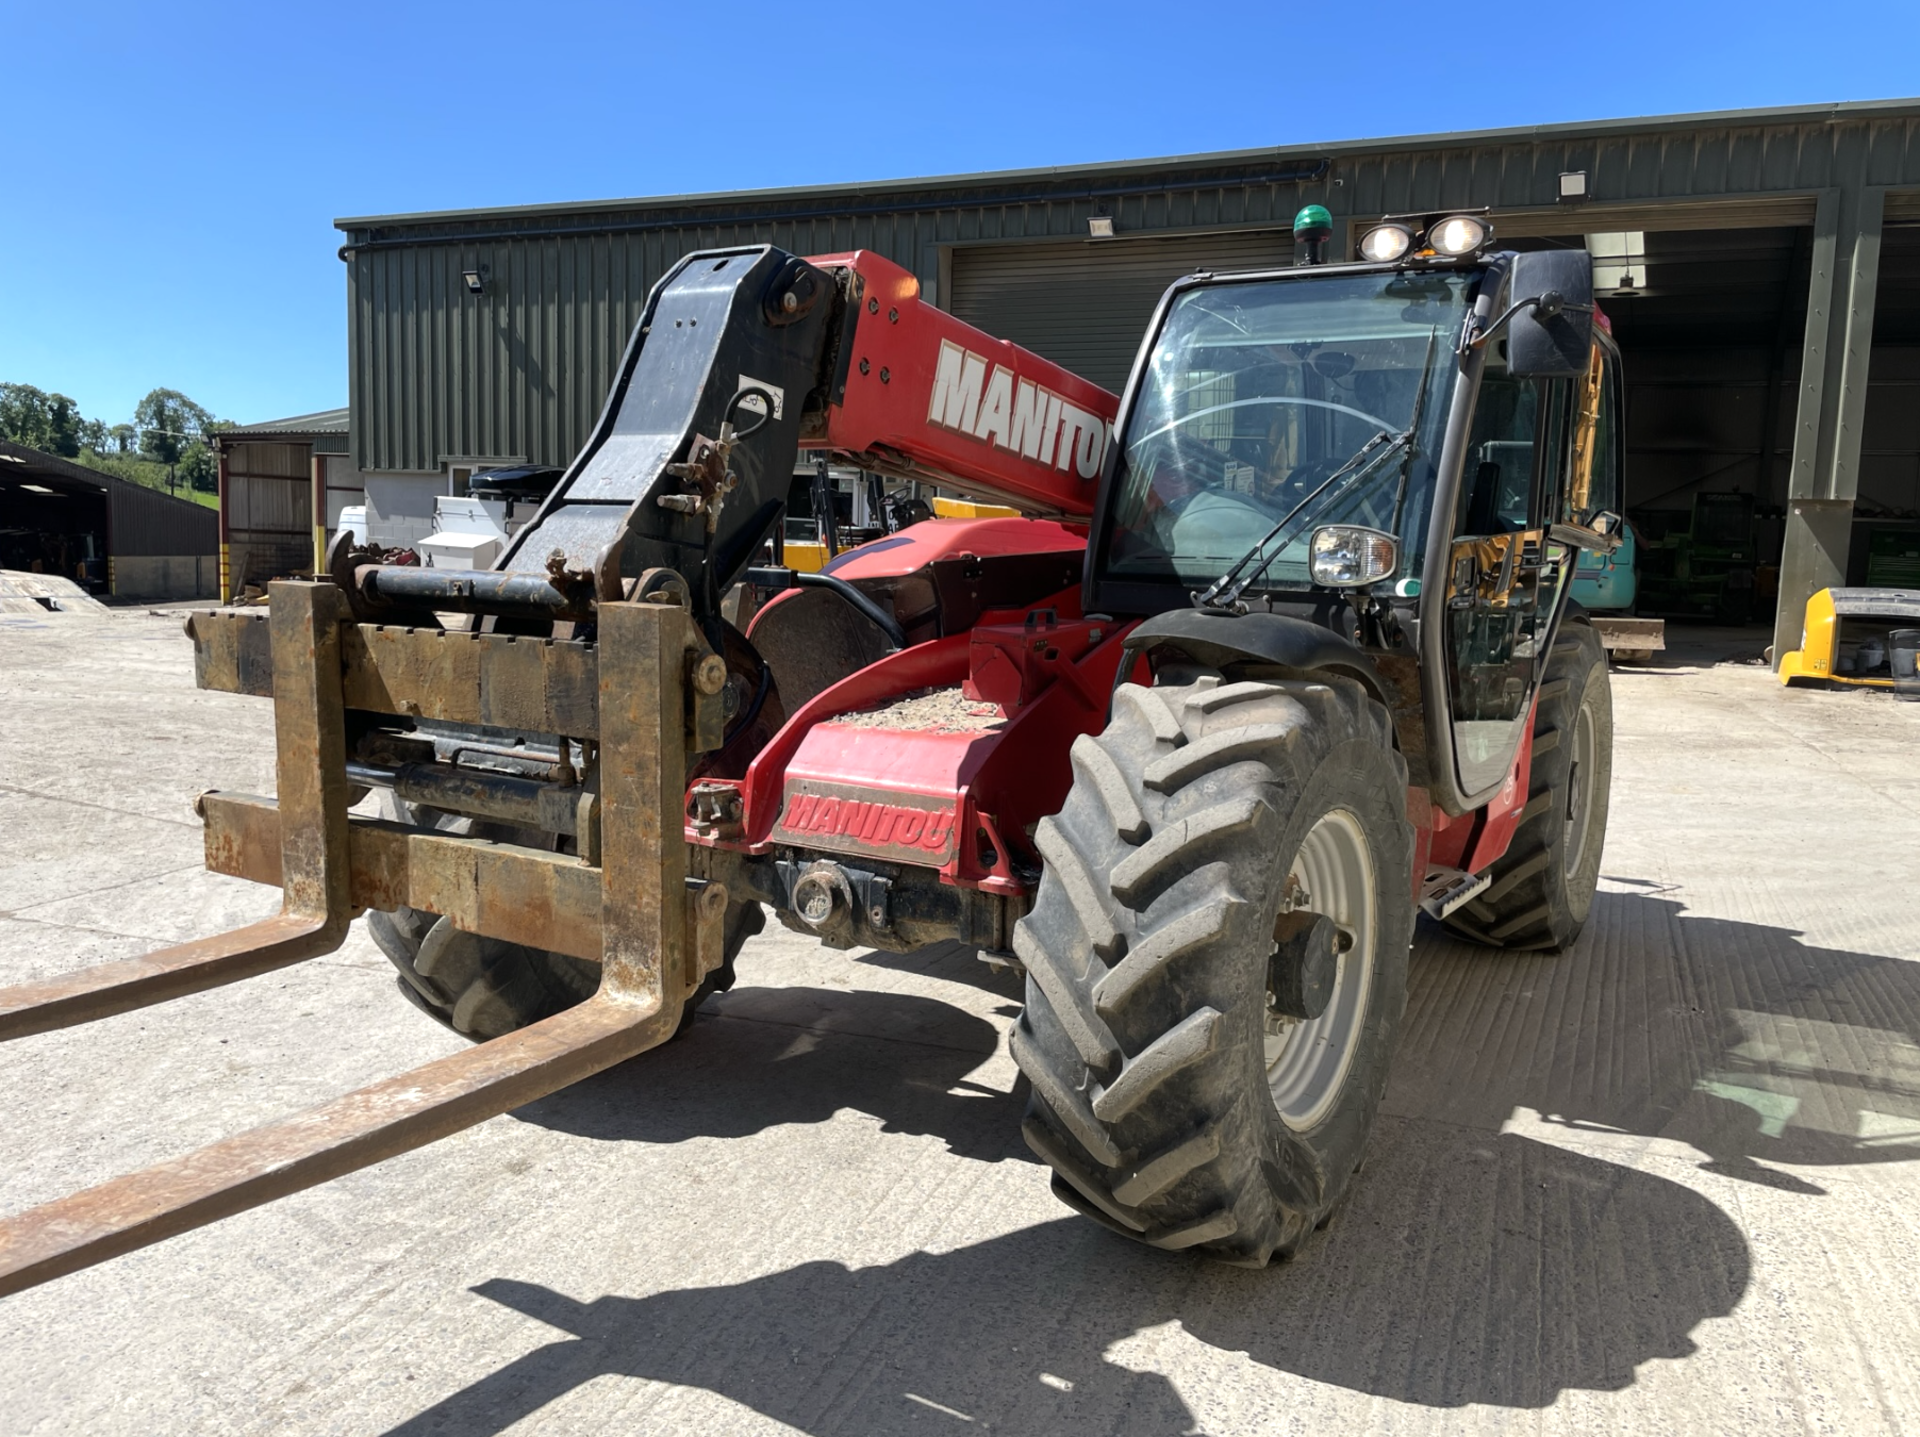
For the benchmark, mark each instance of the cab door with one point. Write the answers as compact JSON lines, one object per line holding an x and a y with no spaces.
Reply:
{"x":1506,"y":577}
{"x":1605,"y":579}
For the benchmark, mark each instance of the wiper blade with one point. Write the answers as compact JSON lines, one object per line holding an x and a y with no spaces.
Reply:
{"x":1413,"y":427}
{"x":1224,"y":592}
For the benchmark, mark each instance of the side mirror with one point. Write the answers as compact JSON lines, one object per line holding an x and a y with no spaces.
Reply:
{"x":1602,"y":534}
{"x":1552,"y":329}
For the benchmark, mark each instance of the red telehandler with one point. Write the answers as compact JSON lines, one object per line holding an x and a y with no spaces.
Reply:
{"x":1280,"y":654}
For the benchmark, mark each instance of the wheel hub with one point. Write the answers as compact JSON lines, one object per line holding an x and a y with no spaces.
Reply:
{"x":1580,"y":772}
{"x":1307,"y":1058}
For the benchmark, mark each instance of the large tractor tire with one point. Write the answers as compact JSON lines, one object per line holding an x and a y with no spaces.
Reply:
{"x":1233,"y":858}
{"x":1542,"y":888}
{"x":485,"y":987}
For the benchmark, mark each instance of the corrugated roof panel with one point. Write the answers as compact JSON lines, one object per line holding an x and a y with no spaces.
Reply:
{"x":325,"y":421}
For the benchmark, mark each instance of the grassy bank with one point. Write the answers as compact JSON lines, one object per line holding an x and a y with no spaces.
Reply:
{"x":147,"y":473}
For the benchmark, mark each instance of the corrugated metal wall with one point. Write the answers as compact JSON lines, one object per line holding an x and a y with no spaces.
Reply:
{"x":147,"y":522}
{"x":269,"y":511}
{"x":521,"y":369}
{"x":1085,"y":304}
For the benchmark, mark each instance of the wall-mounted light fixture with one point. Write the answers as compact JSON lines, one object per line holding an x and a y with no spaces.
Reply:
{"x":476,"y":280}
{"x":1573,"y":185}
{"x":1100,"y":227}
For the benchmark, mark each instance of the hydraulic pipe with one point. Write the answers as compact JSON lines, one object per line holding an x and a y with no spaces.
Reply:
{"x":780,"y":580}
{"x":524,"y":802}
{"x":473,"y":591}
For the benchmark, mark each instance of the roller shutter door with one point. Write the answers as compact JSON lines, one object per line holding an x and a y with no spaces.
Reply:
{"x":1085,"y":304}
{"x":1775,"y":212}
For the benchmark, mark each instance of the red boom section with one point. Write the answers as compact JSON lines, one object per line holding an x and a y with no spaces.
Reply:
{"x":932,"y":398}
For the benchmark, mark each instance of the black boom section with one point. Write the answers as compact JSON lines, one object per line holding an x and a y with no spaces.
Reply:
{"x":721,"y":323}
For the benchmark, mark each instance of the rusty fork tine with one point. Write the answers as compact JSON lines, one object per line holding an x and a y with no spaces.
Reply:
{"x":109,"y":988}
{"x":310,"y":765}
{"x":342,"y":1136}
{"x":658,"y":937}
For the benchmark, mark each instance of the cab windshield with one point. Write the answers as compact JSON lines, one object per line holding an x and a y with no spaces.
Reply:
{"x":1259,"y":393}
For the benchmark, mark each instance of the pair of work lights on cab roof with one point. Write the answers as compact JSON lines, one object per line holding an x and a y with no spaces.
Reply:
{"x":1450,"y":238}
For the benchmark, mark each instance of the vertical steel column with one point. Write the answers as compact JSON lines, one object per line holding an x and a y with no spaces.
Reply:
{"x":317,"y":464}
{"x":1831,"y":411}
{"x":225,"y":483}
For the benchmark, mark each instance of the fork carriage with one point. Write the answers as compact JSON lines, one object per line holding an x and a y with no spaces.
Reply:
{"x":655,"y":929}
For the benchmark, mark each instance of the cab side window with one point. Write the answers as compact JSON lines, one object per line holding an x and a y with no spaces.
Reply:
{"x":1603,"y":487}
{"x":1500,"y":455}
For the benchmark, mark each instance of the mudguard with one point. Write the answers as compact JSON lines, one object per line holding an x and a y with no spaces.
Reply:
{"x":1217,"y":639}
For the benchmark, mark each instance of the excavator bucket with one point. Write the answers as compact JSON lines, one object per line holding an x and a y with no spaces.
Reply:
{"x":655,"y":931}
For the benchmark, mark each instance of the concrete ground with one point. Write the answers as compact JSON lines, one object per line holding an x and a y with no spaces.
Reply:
{"x":1667,"y":1181}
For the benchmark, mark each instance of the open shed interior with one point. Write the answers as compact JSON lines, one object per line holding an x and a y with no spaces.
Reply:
{"x":1710,"y":324}
{"x":50,"y":525}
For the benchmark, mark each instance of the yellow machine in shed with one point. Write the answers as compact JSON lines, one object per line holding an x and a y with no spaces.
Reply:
{"x":1864,"y":637}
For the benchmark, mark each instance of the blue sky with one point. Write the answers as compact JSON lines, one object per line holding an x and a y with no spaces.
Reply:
{"x":173,"y":171}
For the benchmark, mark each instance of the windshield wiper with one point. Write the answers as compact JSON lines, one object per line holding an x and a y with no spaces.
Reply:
{"x":1223,"y":594}
{"x":1413,"y":427}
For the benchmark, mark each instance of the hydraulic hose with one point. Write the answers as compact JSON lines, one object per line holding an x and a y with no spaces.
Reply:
{"x":781,"y":579}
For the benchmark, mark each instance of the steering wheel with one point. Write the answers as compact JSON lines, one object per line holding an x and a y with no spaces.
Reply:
{"x":1199,"y":467}
{"x":1298,"y":401}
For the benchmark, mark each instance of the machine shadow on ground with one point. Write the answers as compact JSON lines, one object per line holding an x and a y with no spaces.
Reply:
{"x":1474,"y":1265}
{"x":762,"y":1057}
{"x":1736,"y":1040}
{"x":1471,"y":1268}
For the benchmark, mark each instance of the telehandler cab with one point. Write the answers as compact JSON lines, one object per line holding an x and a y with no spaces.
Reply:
{"x":1280,"y":652}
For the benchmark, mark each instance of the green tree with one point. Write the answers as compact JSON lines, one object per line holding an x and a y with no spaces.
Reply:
{"x":167,"y":419}
{"x":33,"y":417}
{"x":123,"y":438}
{"x":39,"y":420}
{"x":63,"y":426}
{"x":199,"y":469}
{"x":93,"y":435}
{"x":22,"y":411}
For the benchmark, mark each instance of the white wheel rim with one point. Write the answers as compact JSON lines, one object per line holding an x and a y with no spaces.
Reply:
{"x":1580,"y":789}
{"x":1308,"y":1060}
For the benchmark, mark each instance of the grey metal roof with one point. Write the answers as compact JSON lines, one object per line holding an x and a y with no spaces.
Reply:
{"x":19,"y":462}
{"x":325,"y":421}
{"x":1838,"y":112}
{"x":144,"y":521}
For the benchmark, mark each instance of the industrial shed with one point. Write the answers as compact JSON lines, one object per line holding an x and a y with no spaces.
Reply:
{"x":112,"y":537}
{"x":1762,"y":271}
{"x":283,"y":483}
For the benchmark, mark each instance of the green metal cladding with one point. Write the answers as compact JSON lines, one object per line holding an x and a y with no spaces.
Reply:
{"x":519,"y":370}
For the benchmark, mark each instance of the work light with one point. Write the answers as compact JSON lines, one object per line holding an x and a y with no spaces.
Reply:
{"x":1458,"y":235}
{"x":1345,"y":556}
{"x":1383,"y":244}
